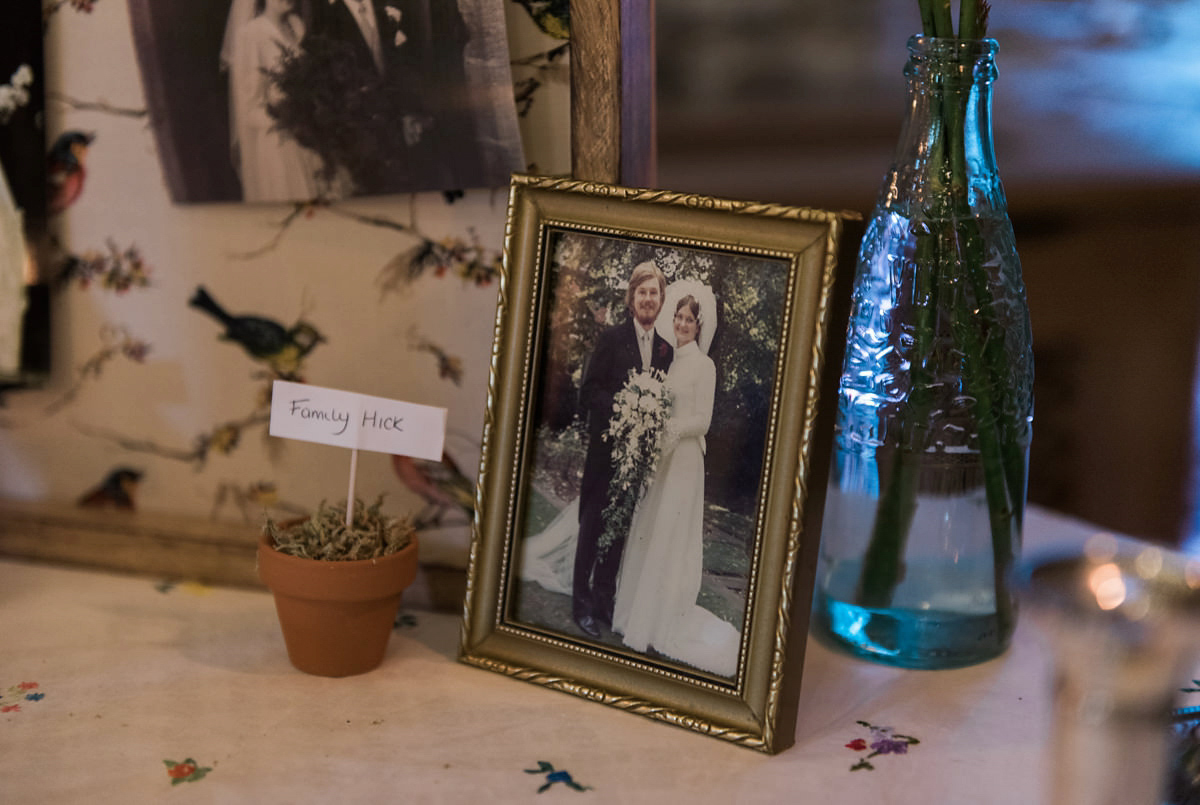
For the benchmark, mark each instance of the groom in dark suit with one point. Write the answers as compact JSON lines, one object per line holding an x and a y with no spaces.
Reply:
{"x":632,"y":344}
{"x":414,"y":40}
{"x":412,"y":50}
{"x":366,"y":28}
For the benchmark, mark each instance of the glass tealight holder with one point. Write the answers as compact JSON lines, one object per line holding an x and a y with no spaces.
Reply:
{"x":1122,"y":624}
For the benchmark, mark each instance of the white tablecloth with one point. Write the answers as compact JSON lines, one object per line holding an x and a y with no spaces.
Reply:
{"x":106,"y":678}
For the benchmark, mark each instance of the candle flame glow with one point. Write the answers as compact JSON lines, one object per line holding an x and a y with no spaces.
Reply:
{"x":1107,"y":585}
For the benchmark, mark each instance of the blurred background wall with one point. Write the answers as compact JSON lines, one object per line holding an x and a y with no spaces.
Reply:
{"x":1097,"y":130}
{"x":1098,"y":138}
{"x":401,"y":287}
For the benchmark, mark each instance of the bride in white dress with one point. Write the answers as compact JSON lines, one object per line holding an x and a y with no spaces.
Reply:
{"x":271,"y":165}
{"x":662,"y":565}
{"x":663,"y":561}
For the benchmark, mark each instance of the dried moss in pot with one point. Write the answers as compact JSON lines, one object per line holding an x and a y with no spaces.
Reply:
{"x":325,"y":536}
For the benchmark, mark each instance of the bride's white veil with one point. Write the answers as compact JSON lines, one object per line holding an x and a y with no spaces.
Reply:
{"x":240,"y":13}
{"x":665,"y":323}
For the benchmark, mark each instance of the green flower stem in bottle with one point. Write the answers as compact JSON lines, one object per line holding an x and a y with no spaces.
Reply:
{"x":935,"y":404}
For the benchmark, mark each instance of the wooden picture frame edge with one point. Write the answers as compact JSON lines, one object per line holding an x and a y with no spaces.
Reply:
{"x":613,"y":122}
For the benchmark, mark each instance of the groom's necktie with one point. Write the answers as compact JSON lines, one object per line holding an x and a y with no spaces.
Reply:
{"x":645,"y":341}
{"x":364,"y":15}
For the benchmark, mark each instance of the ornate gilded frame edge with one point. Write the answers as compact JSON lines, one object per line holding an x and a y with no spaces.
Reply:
{"x":759,"y":710}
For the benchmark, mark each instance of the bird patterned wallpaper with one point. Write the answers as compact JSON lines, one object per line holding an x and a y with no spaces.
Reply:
{"x":170,"y":321}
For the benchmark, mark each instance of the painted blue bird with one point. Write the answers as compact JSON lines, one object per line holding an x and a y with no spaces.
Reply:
{"x":281,"y":348}
{"x":66,"y":169}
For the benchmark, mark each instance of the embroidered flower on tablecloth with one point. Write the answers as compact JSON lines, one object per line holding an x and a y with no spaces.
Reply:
{"x":882,"y":741}
{"x":555,"y":776}
{"x":192,"y":587}
{"x":20,"y":692}
{"x":186,"y":772}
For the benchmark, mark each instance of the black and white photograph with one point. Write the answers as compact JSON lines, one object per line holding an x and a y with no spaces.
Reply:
{"x":656,"y":451}
{"x":32,"y":185}
{"x":294,"y":100}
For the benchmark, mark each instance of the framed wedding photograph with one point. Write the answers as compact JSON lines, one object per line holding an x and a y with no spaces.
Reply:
{"x":261,"y":101}
{"x":655,"y":451}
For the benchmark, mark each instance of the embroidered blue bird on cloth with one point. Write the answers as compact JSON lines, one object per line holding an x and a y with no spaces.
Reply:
{"x":554,"y":776}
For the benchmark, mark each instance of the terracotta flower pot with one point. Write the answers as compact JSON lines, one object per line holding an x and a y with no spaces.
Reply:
{"x":336,"y":617}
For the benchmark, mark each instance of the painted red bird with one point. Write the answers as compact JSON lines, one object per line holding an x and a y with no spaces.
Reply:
{"x":441,"y":485}
{"x":67,"y":169}
{"x":115,"y":491}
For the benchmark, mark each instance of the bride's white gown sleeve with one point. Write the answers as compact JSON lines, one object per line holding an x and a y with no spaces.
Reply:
{"x":662,"y":567}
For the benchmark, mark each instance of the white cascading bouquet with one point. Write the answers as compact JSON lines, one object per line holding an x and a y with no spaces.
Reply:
{"x":640,"y":411}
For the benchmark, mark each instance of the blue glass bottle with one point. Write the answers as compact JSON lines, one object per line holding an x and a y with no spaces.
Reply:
{"x":935,"y":404}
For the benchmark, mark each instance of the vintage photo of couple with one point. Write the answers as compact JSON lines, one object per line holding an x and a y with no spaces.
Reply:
{"x":634,"y":578}
{"x":399,"y":63}
{"x":293,"y":100}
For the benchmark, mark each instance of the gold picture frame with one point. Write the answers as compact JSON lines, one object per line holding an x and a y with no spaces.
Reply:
{"x":778,"y":277}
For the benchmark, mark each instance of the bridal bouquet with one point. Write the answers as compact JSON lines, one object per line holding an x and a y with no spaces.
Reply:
{"x":635,"y":431}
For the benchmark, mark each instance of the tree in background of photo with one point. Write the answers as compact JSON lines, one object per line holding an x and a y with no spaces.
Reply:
{"x":588,"y":295}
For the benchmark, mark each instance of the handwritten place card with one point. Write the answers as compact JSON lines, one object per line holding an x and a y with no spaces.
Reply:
{"x":359,"y":421}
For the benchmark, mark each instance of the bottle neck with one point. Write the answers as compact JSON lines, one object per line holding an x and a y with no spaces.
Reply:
{"x":945,"y":160}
